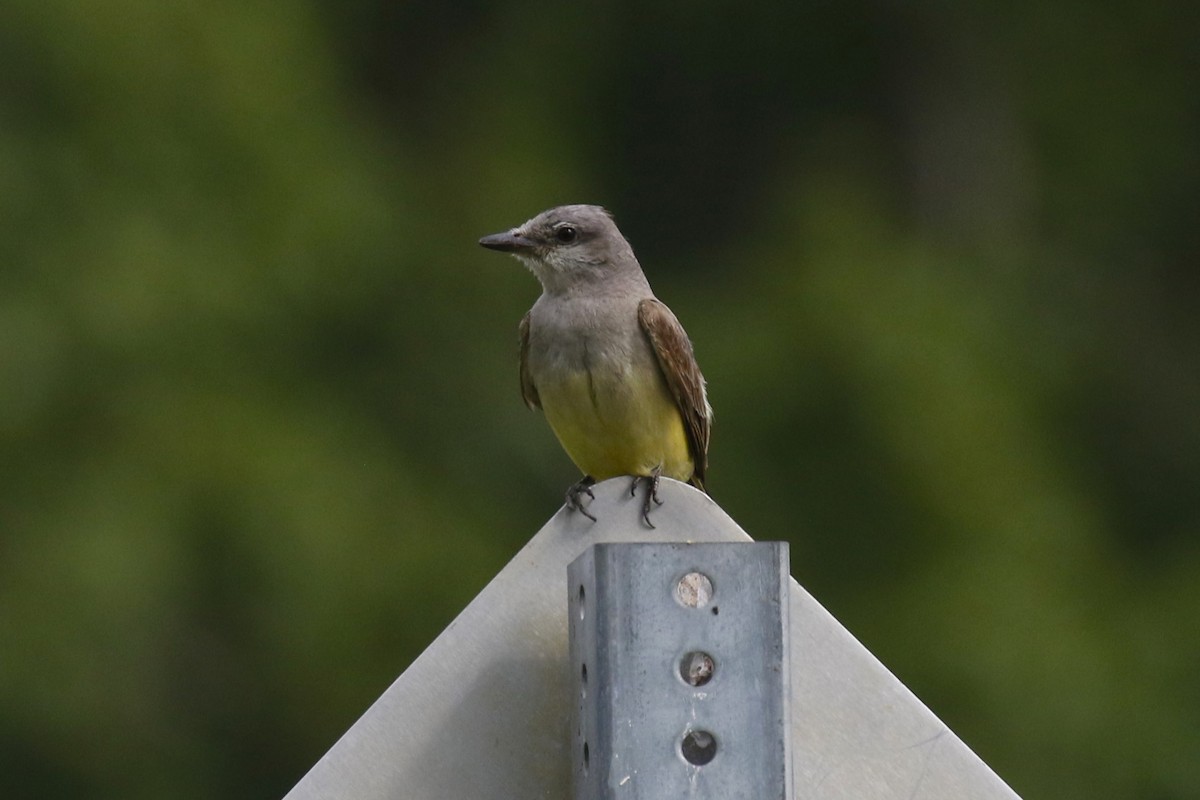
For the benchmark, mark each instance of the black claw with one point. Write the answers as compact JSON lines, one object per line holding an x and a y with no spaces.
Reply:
{"x":651,"y":494}
{"x":574,"y":503}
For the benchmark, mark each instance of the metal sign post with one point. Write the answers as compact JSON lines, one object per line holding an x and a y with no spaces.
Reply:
{"x":679,"y":662}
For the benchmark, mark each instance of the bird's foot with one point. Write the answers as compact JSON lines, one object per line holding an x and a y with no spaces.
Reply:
{"x":651,"y":493}
{"x":575,"y":496}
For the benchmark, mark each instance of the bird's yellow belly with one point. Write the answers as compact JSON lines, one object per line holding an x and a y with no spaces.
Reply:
{"x":619,"y":426}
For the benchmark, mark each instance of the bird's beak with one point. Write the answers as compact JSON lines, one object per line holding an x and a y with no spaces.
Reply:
{"x":507,"y":242}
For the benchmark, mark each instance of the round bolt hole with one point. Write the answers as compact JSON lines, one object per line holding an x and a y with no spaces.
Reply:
{"x":698,"y":747}
{"x":694,"y":590}
{"x":696,"y":668}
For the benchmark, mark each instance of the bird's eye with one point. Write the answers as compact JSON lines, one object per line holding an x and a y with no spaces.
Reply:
{"x":566,"y":234}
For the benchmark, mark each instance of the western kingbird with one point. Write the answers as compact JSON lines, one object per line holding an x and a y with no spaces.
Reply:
{"x":606,"y":361}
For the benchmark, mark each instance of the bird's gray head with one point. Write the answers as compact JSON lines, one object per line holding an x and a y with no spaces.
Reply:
{"x":568,"y":247}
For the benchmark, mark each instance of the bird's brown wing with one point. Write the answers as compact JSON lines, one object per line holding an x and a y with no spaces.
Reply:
{"x":678,"y":363}
{"x":528,"y":390}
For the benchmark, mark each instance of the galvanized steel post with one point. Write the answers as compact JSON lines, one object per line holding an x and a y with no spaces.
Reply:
{"x":679,"y":664}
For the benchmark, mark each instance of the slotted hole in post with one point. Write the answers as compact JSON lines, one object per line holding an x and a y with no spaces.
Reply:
{"x":696,"y":668}
{"x":582,"y":597}
{"x":583,"y":680}
{"x":694,"y":590}
{"x":585,"y":756}
{"x":698,"y":747}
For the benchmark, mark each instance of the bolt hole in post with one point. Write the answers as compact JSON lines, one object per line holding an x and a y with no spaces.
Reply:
{"x":694,"y":590}
{"x":582,"y":597}
{"x":696,"y":668}
{"x":698,"y":747}
{"x":585,"y":757}
{"x":583,"y":680}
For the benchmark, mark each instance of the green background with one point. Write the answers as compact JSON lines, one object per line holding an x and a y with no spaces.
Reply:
{"x":260,"y":433}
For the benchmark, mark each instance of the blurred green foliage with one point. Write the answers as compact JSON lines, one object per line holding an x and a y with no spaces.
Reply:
{"x":259,"y":425}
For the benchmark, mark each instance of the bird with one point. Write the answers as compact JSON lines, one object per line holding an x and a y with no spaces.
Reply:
{"x":606,"y":361}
